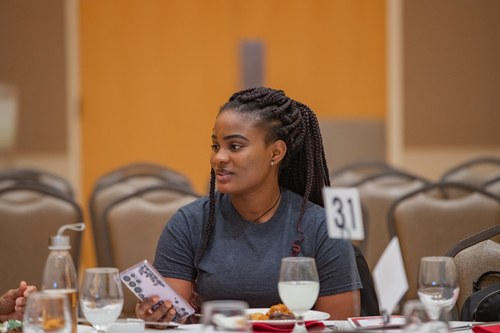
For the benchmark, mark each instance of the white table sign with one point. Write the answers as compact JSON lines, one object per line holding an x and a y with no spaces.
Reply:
{"x":343,"y":213}
{"x":389,"y":277}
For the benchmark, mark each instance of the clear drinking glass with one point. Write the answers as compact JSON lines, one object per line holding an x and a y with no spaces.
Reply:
{"x":225,"y":316}
{"x":437,"y":285}
{"x":417,"y":319}
{"x":47,"y":312}
{"x":101,"y":297}
{"x":298,"y":287}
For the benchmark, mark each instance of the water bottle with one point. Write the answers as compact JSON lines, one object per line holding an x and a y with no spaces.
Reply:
{"x":59,"y":274}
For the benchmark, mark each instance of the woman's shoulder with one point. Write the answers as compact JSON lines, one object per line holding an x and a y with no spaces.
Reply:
{"x":195,"y":206}
{"x":296,"y":200}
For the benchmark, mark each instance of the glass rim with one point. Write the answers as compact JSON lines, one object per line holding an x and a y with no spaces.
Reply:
{"x":298,"y":259}
{"x":226,"y":302}
{"x":102,"y":270}
{"x":46,"y":294}
{"x":436,"y":258}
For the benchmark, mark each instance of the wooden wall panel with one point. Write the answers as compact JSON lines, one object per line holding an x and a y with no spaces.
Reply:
{"x":32,"y":57}
{"x":451,"y":72}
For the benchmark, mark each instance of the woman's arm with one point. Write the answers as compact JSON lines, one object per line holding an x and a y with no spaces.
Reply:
{"x":340,"y":306}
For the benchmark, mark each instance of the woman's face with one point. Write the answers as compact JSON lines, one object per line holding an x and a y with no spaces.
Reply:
{"x":240,"y":157}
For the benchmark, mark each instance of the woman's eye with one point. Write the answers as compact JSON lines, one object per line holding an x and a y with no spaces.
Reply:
{"x":235,"y":146}
{"x":214,"y":147}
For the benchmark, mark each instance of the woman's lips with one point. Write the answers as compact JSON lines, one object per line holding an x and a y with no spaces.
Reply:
{"x":223,"y":175}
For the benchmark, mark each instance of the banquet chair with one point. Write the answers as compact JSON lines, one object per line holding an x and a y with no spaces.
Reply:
{"x":427,"y":222}
{"x":353,"y":173}
{"x":133,"y":225}
{"x":473,"y":256}
{"x":126,"y":181}
{"x":377,"y":193}
{"x":33,"y":175}
{"x":29,"y":214}
{"x":475,"y":172}
{"x":368,"y":295}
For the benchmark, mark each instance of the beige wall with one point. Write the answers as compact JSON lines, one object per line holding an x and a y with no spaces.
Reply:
{"x":33,"y":58}
{"x":452,"y":72}
{"x":451,"y":76}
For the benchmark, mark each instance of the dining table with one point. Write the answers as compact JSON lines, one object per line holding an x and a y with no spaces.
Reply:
{"x":329,"y":326}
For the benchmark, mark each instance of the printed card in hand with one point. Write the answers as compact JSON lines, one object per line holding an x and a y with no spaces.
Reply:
{"x":145,"y":281}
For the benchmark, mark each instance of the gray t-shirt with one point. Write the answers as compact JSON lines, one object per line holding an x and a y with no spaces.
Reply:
{"x":242,"y":259}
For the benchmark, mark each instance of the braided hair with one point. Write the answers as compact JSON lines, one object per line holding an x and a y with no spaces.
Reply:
{"x":303,"y":169}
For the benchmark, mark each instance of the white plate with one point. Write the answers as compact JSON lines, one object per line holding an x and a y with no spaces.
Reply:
{"x":85,"y":329}
{"x":309,"y":315}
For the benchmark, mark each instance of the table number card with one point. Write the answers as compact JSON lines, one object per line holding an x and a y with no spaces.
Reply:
{"x":343,"y":213}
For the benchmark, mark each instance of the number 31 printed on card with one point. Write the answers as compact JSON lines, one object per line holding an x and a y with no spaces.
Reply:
{"x":343,"y":213}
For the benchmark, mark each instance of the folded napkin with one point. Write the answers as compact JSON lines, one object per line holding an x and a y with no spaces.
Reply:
{"x":261,"y":327}
{"x":486,"y":329}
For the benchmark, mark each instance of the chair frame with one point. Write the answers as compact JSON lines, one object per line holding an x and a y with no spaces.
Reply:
{"x":473,"y":240}
{"x":490,"y":182}
{"x":33,"y":176}
{"x":467,"y":164}
{"x":360,"y":165}
{"x":393,"y":172}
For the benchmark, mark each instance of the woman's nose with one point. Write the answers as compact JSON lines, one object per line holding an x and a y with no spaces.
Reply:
{"x":220,"y":157}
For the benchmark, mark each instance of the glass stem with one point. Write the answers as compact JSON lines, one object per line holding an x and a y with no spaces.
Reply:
{"x":300,"y":326}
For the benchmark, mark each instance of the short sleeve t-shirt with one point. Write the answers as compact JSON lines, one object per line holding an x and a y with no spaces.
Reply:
{"x":242,"y":258}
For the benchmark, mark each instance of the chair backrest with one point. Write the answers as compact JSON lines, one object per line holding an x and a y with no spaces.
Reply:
{"x":352,"y":174}
{"x":368,"y":295}
{"x":428,"y":223}
{"x":29,"y":215}
{"x":377,"y":193}
{"x":474,"y":256}
{"x":474,"y":172}
{"x":19,"y":175}
{"x":134,"y":224}
{"x":123,"y":182}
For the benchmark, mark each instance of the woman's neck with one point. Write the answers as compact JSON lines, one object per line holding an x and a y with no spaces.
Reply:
{"x":257,"y":207}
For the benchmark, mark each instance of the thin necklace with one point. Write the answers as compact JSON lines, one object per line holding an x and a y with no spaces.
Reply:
{"x":267,"y":211}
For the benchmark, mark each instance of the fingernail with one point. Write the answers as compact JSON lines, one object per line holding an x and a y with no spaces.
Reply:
{"x":157,"y":305}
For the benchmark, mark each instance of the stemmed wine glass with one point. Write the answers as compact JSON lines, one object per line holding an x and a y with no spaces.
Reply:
{"x":298,"y":287}
{"x":437,"y":285}
{"x":101,"y":297}
{"x":47,"y":312}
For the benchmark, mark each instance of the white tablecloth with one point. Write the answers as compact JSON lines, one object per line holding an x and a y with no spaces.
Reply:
{"x":339,"y":325}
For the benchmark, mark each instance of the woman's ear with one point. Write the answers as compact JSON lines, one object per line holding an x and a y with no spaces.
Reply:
{"x":279,"y":151}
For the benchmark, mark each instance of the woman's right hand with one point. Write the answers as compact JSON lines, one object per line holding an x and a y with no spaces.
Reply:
{"x":154,"y":310}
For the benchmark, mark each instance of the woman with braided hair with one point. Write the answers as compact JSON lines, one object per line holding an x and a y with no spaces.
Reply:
{"x":268,"y":169}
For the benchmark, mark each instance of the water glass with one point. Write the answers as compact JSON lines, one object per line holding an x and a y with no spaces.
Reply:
{"x":298,"y":287}
{"x":417,"y":319}
{"x":225,"y":316}
{"x":47,"y":312}
{"x":438,"y":285}
{"x":101,"y":297}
